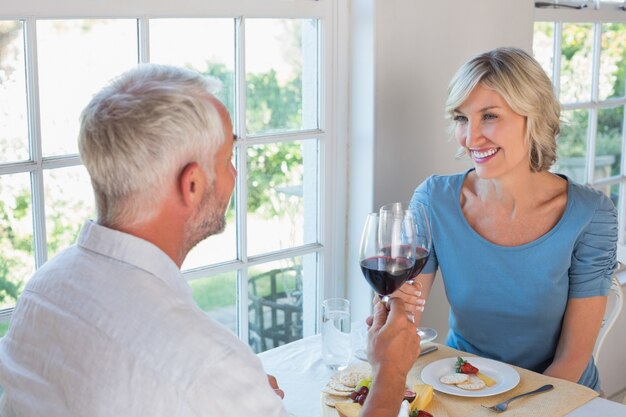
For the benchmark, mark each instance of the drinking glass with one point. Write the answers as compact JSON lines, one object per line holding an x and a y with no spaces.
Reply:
{"x":336,"y":338}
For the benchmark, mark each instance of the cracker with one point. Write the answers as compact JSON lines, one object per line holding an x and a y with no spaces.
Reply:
{"x":454,"y":379}
{"x":337,"y":393}
{"x":473,"y":384}
{"x":330,"y":400}
{"x":335,"y":385}
{"x":351,"y":378}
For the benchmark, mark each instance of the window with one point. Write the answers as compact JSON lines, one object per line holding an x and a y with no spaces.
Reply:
{"x":263,"y":276}
{"x":584,"y":52}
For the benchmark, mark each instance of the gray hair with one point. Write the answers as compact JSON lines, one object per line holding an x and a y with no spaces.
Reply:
{"x":526,"y":88}
{"x":140,"y":131}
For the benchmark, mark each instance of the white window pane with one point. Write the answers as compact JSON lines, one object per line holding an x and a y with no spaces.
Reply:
{"x":217,"y":296}
{"x":281,"y":75}
{"x":13,"y":120}
{"x":276,"y":297}
{"x":543,"y":45}
{"x":576,"y":62}
{"x":76,"y":59}
{"x":572,"y":145}
{"x":282,"y":198}
{"x":17,"y":259}
{"x":69,"y":202}
{"x":205,"y":45}
{"x":609,"y":142}
{"x":613,"y":61}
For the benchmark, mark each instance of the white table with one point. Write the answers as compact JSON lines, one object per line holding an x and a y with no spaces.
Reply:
{"x":302,"y":374}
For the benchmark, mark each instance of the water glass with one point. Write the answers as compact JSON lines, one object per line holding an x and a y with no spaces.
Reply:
{"x":336,"y":338}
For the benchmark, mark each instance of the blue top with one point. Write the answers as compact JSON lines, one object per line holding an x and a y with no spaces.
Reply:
{"x":507,"y":302}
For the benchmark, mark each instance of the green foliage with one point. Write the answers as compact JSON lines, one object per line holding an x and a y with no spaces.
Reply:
{"x":577,"y":49}
{"x":270,"y":107}
{"x":227,"y":80}
{"x":270,"y":167}
{"x":216,"y":292}
{"x":4,"y":328}
{"x":12,"y":243}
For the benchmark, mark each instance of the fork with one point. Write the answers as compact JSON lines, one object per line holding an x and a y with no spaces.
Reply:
{"x":498,"y":408}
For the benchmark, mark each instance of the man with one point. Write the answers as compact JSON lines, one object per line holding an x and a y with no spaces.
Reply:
{"x":109,"y":326}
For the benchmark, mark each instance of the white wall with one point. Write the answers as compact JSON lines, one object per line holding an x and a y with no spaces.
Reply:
{"x":398,"y":107}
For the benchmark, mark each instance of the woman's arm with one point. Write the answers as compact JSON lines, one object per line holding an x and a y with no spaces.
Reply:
{"x":415,"y":295}
{"x":581,"y":325}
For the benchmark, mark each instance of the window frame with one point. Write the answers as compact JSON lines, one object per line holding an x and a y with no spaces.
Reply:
{"x":595,"y":13}
{"x":331,"y":135}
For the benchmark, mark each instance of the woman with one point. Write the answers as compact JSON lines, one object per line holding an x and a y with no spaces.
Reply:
{"x":526,"y":255}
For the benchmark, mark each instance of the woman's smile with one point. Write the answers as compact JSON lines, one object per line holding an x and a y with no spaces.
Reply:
{"x":481,"y":156}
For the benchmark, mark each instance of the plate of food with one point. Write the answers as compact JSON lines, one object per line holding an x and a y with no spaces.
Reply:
{"x":470,"y":377}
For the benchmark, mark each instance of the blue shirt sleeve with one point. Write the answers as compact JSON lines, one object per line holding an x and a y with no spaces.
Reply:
{"x":422,"y":195}
{"x":594,"y":255}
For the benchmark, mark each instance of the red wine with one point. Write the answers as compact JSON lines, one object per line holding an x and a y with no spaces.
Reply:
{"x":386,"y":274}
{"x":420,"y":260}
{"x":421,"y":256}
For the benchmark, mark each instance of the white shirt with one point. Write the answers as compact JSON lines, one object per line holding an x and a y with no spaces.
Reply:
{"x":109,"y":328}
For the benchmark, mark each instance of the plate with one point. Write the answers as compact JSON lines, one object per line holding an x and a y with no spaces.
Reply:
{"x":505,"y":376}
{"x":361,"y":354}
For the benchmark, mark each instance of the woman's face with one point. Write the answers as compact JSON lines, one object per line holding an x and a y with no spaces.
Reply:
{"x":492,"y":133}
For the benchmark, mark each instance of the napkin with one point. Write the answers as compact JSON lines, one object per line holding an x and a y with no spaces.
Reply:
{"x":404,"y":409}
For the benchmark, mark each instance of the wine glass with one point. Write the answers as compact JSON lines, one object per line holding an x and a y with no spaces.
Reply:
{"x":423,"y":248}
{"x":421,"y":238}
{"x":387,"y":253}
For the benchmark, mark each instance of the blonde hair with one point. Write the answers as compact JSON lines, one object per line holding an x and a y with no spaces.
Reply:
{"x":142,"y":129}
{"x":526,"y":88}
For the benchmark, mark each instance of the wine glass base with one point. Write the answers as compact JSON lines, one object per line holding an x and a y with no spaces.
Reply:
{"x":361,"y":354}
{"x":426,"y":334}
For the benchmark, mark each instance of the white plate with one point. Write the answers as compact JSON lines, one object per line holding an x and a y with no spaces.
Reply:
{"x":505,"y":376}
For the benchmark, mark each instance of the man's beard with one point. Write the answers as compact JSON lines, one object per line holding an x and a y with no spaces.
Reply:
{"x":210,"y":219}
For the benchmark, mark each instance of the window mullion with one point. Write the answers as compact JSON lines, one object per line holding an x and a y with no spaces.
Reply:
{"x":240,"y":123}
{"x":593,"y":112}
{"x":34,"y":136}
{"x":242,"y":184}
{"x":143,"y":37}
{"x":556,"y":68}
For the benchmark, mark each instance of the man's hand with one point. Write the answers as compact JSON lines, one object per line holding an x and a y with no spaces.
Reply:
{"x":393,"y":347}
{"x":392,"y":338}
{"x":274,"y":384}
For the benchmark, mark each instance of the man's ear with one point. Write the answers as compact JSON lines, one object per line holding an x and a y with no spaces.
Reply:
{"x":191,"y":183}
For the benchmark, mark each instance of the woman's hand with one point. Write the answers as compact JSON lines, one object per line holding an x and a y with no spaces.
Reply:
{"x":411,"y":294}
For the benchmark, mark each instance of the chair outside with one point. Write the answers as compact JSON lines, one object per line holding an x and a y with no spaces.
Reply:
{"x":616,"y":298}
{"x":275,"y":308}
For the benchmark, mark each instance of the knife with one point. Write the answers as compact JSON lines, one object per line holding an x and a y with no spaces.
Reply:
{"x":362,"y":356}
{"x":428,"y":350}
